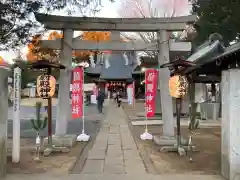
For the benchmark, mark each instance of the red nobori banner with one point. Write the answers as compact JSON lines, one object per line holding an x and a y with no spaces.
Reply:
{"x":150,"y":91}
{"x":77,"y":93}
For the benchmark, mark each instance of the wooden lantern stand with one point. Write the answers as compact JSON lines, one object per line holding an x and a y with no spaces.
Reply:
{"x":177,"y":67}
{"x":48,"y":66}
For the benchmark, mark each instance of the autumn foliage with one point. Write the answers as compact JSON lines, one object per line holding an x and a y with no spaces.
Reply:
{"x":35,"y":52}
{"x":2,"y":62}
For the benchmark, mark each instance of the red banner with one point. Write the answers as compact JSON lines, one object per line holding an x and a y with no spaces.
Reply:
{"x":77,"y":93}
{"x":150,"y":91}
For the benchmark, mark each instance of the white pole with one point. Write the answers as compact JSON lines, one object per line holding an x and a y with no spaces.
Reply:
{"x":83,"y":105}
{"x":83,"y":136}
{"x":16,"y":116}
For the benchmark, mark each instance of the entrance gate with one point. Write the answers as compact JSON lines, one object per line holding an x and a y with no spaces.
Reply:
{"x":163,"y":45}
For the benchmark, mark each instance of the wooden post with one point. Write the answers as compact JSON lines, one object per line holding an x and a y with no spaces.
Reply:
{"x":193,"y":105}
{"x":178,"y":122}
{"x":49,"y":115}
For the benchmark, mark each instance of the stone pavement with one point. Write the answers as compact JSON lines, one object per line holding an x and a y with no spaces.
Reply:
{"x":114,"y":151}
{"x":114,"y":156}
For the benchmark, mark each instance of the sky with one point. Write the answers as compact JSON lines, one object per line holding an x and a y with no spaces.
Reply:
{"x":108,"y":10}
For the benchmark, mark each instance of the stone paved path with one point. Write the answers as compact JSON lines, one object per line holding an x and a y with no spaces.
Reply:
{"x":114,"y":151}
{"x":114,"y":156}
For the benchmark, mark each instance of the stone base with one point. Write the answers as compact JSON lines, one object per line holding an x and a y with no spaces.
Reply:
{"x":68,"y":140}
{"x":3,"y":157}
{"x":53,"y":149}
{"x":168,"y":141}
{"x":181,"y":150}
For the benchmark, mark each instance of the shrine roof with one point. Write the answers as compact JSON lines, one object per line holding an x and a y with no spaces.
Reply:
{"x":207,"y":64}
{"x":205,"y":51}
{"x":228,"y":50}
{"x":117,"y":69}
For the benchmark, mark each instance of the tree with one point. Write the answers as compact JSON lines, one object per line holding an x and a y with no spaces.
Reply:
{"x":35,"y":52}
{"x":152,"y":9}
{"x":16,"y":20}
{"x":91,"y":36}
{"x":96,"y":36}
{"x":217,"y":16}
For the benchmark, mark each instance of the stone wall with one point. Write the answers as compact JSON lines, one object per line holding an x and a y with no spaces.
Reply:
{"x":3,"y":120}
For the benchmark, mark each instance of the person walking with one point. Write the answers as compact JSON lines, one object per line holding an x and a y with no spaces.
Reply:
{"x":100,"y":101}
{"x":118,"y":98}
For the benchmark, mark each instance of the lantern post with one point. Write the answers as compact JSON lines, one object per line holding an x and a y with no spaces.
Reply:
{"x":178,"y":86}
{"x":46,"y":89}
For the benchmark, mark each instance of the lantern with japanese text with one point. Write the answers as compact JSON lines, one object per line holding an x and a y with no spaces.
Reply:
{"x":178,"y":86}
{"x":46,"y":86}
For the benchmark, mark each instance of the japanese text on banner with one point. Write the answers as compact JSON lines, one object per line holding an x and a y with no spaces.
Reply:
{"x":77,"y":93}
{"x":150,"y":91}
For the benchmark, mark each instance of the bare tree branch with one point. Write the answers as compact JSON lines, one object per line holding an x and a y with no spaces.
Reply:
{"x":151,"y":9}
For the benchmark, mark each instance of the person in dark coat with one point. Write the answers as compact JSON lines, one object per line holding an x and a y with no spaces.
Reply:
{"x":100,"y":101}
{"x":118,"y":98}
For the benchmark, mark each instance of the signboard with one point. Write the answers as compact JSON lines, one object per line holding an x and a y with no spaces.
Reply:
{"x":16,"y":115}
{"x":17,"y":90}
{"x":94,"y":95}
{"x":77,"y":93}
{"x":150,"y":91}
{"x":89,"y":86}
{"x":130,"y":93}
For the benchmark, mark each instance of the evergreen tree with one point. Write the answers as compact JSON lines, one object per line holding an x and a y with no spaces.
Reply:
{"x":217,"y":16}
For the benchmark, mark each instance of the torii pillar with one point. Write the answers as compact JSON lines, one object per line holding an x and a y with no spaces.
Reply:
{"x":64,"y":106}
{"x":164,"y":74}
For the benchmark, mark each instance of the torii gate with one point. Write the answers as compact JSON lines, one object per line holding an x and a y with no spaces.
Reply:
{"x":67,"y":44}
